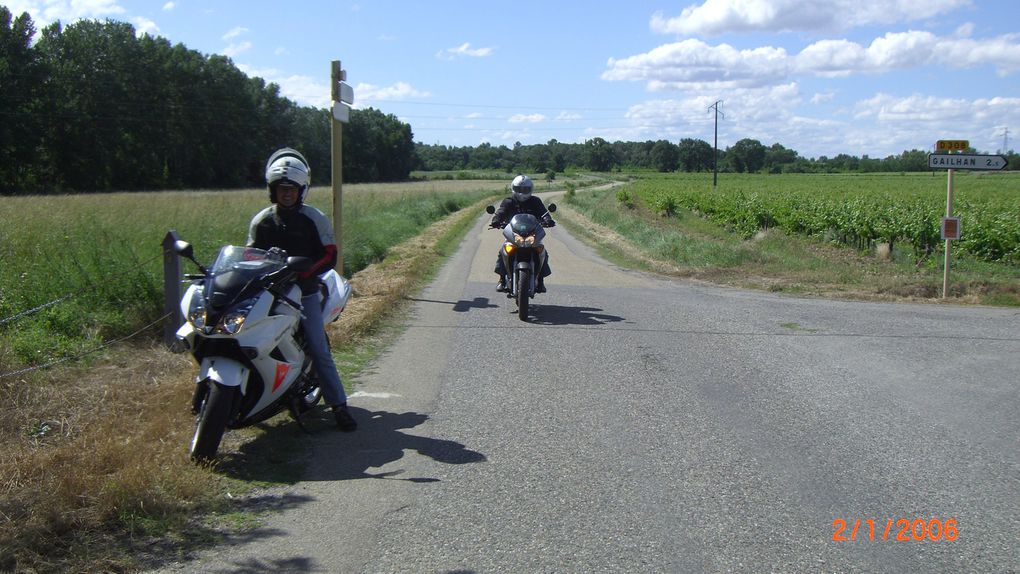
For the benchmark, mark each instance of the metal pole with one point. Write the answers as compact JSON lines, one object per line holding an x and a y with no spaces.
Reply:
{"x":171,"y":288}
{"x":336,"y":143}
{"x":715,"y":148}
{"x":949,"y":242}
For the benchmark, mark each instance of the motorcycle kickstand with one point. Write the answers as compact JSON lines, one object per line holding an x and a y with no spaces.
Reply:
{"x":296,"y":415}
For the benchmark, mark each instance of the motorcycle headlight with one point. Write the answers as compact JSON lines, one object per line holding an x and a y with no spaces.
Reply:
{"x":233,"y":321}
{"x":522,"y":241}
{"x":197,"y":315}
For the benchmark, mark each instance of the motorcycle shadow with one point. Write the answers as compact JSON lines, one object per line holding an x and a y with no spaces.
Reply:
{"x":579,"y":316}
{"x":332,"y":455}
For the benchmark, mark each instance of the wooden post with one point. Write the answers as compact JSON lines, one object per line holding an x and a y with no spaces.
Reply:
{"x":337,"y":74}
{"x":171,"y":288}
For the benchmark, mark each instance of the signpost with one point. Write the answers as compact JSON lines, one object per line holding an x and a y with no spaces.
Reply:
{"x":343,"y":97}
{"x":966,"y":161}
{"x":952,"y":162}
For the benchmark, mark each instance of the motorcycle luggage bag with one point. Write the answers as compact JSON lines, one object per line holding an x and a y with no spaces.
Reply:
{"x":337,"y":291}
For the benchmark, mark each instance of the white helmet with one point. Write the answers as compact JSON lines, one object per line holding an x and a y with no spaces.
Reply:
{"x":522,"y":186}
{"x":288,"y":165}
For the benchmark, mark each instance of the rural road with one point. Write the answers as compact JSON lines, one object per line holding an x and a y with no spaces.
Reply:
{"x":642,"y":424}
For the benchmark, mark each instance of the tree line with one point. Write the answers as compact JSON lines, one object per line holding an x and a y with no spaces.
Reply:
{"x":93,"y":107}
{"x":689,"y":155}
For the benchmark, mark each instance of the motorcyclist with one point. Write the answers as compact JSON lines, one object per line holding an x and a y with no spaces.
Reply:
{"x":301,"y":230}
{"x":521,"y":200}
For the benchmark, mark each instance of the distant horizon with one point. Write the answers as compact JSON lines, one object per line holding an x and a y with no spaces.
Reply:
{"x":861,"y":77}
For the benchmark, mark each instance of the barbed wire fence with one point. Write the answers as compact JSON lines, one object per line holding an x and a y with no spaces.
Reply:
{"x":69,"y":296}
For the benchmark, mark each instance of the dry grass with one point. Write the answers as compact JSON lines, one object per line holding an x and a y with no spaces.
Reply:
{"x":94,"y":465}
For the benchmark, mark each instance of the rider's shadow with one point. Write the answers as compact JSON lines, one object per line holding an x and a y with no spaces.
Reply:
{"x":581,"y":316}
{"x":286,"y":454}
{"x":378,"y":442}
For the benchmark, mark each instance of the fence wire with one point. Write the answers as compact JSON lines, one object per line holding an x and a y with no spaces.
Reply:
{"x":86,"y":353}
{"x":71,"y":295}
{"x":66,"y":297}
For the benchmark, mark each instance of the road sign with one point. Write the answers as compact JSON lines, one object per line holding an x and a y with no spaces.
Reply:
{"x":341,"y":112}
{"x":966,"y":161}
{"x":952,"y":145}
{"x":346,"y":93}
{"x":950,"y":228}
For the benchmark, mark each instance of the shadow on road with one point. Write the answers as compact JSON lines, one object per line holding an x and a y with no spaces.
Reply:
{"x":378,"y":442}
{"x":462,"y":306}
{"x":277,"y":456}
{"x":581,"y":316}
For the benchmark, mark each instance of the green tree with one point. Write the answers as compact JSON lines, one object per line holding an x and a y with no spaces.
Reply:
{"x":747,"y":155}
{"x":695,"y":155}
{"x":21,"y":85}
{"x":599,"y":155}
{"x":665,"y":156}
{"x":777,"y":156}
{"x":377,"y":147}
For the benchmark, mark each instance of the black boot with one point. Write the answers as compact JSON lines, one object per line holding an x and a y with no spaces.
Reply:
{"x":344,"y":420}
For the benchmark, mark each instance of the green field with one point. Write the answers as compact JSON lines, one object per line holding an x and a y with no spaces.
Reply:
{"x":858,"y":210}
{"x":100,"y":255}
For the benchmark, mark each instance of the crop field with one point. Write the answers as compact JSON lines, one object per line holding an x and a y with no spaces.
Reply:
{"x":95,"y":262}
{"x":902,"y":210}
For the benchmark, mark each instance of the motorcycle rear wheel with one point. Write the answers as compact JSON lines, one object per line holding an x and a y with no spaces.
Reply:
{"x":523,"y":281}
{"x":212,"y":421}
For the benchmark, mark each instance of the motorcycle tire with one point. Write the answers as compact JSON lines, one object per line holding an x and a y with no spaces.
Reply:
{"x":212,"y":421}
{"x":523,"y":281}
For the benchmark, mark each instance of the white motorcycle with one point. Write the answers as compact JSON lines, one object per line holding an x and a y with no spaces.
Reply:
{"x":243,"y":319}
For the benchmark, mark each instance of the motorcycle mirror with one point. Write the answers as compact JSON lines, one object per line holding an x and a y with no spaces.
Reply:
{"x":299,"y":264}
{"x":552,"y":208}
{"x":184,"y":249}
{"x":490,"y":209}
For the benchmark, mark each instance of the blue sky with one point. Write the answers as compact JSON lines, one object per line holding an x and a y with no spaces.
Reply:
{"x":862,"y":77}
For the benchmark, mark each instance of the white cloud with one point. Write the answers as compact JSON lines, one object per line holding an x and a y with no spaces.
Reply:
{"x":464,"y":49}
{"x":144,"y":26}
{"x":303,"y":90}
{"x":169,"y":6}
{"x":821,"y":98}
{"x":233,"y":50}
{"x":526,"y":118}
{"x":281,"y":51}
{"x":398,"y":91}
{"x":45,"y":12}
{"x":693,"y":65}
{"x":569,"y":117}
{"x":715,"y":17}
{"x":234,"y":33}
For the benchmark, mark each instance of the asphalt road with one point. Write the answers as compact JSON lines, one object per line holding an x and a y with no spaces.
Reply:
{"x":641,"y":424}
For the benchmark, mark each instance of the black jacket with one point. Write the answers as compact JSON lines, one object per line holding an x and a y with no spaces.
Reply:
{"x":303,"y":231}
{"x":510,"y":207}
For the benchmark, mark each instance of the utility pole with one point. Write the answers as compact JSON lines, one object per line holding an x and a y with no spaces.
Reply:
{"x":715,"y":153}
{"x":1005,"y":140}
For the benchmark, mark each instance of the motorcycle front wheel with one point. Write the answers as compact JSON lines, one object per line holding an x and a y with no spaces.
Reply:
{"x":523,"y":281}
{"x":212,"y":421}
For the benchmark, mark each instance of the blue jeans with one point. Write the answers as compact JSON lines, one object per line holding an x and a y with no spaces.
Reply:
{"x":318,"y":348}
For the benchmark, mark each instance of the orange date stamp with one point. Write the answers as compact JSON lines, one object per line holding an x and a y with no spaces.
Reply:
{"x":901,"y":530}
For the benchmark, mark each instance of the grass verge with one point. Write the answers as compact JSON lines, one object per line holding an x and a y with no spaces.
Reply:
{"x":95,"y":475}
